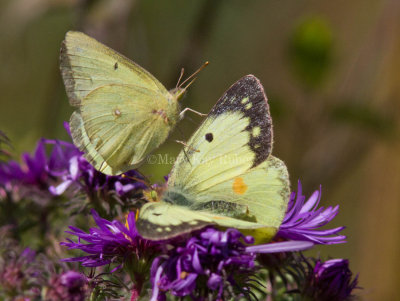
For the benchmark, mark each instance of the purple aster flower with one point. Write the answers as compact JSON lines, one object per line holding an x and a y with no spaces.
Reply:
{"x":304,"y":219}
{"x":330,"y":280}
{"x":211,"y":265}
{"x":114,"y":242}
{"x":70,"y":285}
{"x":43,"y":176}
{"x":37,"y":172}
{"x":110,"y":241}
{"x":81,"y":176}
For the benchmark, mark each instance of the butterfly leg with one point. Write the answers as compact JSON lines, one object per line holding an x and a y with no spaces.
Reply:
{"x":181,"y":115}
{"x":188,"y":146}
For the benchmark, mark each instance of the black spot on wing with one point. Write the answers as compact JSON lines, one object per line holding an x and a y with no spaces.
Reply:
{"x":209,"y":137}
{"x":116,"y":66}
{"x":256,"y":108}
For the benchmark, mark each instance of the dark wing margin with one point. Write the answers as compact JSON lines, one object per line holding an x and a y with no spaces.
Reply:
{"x":151,"y":231}
{"x":161,"y":221}
{"x":247,"y":96}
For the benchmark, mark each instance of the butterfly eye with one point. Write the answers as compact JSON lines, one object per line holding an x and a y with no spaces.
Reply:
{"x":209,"y":137}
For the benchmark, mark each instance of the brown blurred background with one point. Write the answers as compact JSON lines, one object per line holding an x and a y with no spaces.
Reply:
{"x":331,"y":70}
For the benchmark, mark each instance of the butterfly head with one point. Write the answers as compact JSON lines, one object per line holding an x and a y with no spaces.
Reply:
{"x":154,"y":193}
{"x":179,"y":91}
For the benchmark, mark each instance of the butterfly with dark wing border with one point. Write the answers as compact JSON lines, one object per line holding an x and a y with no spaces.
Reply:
{"x":226,"y":175}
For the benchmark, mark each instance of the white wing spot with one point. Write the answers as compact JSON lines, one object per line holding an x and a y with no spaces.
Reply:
{"x":244,"y":100}
{"x":159,"y":229}
{"x":256,"y":131}
{"x":248,"y":106}
{"x":193,"y":223}
{"x":168,"y":229}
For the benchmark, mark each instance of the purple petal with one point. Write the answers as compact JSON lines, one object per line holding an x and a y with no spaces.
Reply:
{"x":276,"y":247}
{"x":303,"y":220}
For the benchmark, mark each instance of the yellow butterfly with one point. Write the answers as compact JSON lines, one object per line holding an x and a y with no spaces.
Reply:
{"x":123,"y":112}
{"x":226,"y":175}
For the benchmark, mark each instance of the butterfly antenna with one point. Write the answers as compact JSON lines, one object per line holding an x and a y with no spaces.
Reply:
{"x":193,"y":77}
{"x":190,"y":83}
{"x":143,"y":176}
{"x":137,"y":180}
{"x":180,"y":77}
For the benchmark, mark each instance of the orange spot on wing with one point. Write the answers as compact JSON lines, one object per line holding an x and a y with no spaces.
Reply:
{"x":239,"y":186}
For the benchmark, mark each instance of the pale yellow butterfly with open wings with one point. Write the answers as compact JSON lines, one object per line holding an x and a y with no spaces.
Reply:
{"x":226,"y":175}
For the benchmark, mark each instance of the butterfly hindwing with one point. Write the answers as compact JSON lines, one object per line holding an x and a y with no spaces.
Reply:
{"x":255,"y":201}
{"x":259,"y":195}
{"x":122,"y":126}
{"x":161,"y":221}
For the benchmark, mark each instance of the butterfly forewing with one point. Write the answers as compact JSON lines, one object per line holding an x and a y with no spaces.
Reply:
{"x":87,"y":64}
{"x":236,"y":136}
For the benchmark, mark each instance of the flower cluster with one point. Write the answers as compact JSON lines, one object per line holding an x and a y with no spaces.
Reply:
{"x":34,"y":177}
{"x":210,"y":264}
{"x":81,"y":176}
{"x":109,"y":242}
{"x":65,"y":172}
{"x":217,"y":259}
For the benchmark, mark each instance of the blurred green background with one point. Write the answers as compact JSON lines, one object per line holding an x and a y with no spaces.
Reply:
{"x":331,"y":70}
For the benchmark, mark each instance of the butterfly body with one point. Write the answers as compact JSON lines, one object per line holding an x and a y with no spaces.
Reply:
{"x":226,"y":175}
{"x":123,"y":112}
